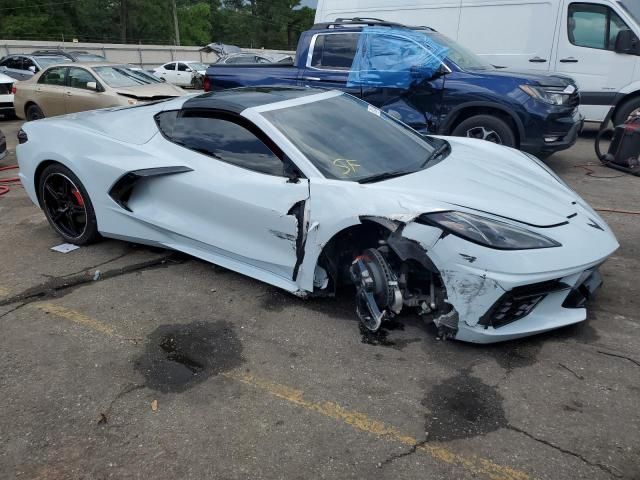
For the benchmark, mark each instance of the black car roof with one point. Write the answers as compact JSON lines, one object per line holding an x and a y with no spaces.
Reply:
{"x":238,"y":99}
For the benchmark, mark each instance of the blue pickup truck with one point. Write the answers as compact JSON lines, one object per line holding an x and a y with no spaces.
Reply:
{"x":465,"y":96}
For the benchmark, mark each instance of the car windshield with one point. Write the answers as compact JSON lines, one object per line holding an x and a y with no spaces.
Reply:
{"x":197,"y":66}
{"x":90,"y":57}
{"x":348,"y":139}
{"x":461,"y":56}
{"x":633,"y":7}
{"x":120,"y":76}
{"x":46,"y":61}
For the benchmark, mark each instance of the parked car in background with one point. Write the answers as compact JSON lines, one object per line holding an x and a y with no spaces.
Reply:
{"x":593,"y":41}
{"x":243,"y":58}
{"x":23,"y":67}
{"x":462,"y":95}
{"x":62,"y":89}
{"x":73,"y":55}
{"x":185,"y":73}
{"x":6,"y":95}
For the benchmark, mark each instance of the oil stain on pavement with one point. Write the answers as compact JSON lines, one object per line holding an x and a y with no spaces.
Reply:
{"x":462,"y":407}
{"x":177,"y":357}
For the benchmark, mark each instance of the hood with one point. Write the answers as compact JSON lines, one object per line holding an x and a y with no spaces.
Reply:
{"x":153,"y":91}
{"x":487,"y":178}
{"x":532,"y":77}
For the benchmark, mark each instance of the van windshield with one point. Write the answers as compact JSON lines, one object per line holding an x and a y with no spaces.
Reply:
{"x":461,"y":56}
{"x":632,"y":7}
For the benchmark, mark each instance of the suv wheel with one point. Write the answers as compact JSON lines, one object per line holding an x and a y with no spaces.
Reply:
{"x":486,"y":127}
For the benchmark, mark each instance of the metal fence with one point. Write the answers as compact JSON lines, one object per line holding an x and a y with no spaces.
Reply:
{"x":145,"y":56}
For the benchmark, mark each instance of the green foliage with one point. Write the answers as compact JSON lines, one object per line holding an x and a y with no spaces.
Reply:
{"x":247,"y":23}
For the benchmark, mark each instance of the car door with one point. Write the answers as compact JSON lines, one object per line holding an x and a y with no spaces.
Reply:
{"x":183,"y":74}
{"x":236,"y":203}
{"x":81,"y":92}
{"x":168,"y":72}
{"x":49,"y":91}
{"x":329,"y":61}
{"x":585,"y":52}
{"x":404,"y":90}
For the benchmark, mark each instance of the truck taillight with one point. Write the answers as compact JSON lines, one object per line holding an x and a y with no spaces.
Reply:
{"x":206,"y":84}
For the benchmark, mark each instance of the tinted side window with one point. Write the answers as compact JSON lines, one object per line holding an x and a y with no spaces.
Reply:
{"x":170,"y":66}
{"x":221,"y":139}
{"x":53,"y":76}
{"x":27,"y":63}
{"x":182,"y":67}
{"x":15,"y":63}
{"x":334,"y":51}
{"x":79,"y":78}
{"x":593,"y":26}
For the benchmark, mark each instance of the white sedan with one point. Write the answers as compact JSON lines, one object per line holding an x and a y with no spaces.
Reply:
{"x":6,"y":95}
{"x":181,"y":73}
{"x":290,"y":186}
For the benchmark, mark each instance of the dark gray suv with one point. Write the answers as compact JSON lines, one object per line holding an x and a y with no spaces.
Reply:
{"x":23,"y":67}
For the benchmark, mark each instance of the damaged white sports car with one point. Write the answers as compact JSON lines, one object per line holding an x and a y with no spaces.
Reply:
{"x":307,"y":189}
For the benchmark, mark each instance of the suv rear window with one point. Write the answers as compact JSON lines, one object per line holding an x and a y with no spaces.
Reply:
{"x":334,"y":50}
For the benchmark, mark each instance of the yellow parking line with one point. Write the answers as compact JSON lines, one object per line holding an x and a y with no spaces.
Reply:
{"x":4,"y":292}
{"x":360,"y":421}
{"x":77,"y":317}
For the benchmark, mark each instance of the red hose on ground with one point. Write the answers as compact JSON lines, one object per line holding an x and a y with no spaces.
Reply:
{"x":5,"y":182}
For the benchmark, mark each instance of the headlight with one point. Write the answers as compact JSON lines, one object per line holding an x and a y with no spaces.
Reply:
{"x":488,"y":232}
{"x":549,"y":95}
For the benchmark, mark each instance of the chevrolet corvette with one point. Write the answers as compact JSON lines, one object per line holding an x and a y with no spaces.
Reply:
{"x":307,"y":189}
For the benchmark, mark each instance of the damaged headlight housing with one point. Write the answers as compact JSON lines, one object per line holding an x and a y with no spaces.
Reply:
{"x":549,"y":95}
{"x":488,"y":232}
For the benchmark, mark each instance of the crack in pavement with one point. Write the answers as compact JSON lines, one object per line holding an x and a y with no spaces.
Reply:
{"x":12,"y":310}
{"x":60,"y":286}
{"x":605,"y":468}
{"x":117,"y":257}
{"x":409,"y":452}
{"x":578,"y":376}
{"x":619,"y":356}
{"x":131,"y":387}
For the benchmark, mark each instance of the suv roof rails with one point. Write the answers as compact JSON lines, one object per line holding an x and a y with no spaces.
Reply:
{"x":57,"y":52}
{"x":356,"y":21}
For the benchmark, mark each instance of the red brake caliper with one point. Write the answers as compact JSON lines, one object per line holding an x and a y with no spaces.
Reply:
{"x":78,"y":197}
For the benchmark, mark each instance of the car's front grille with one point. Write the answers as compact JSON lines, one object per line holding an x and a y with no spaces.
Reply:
{"x":519,"y":302}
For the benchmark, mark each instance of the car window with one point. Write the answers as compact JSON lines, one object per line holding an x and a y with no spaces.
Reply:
{"x":593,"y":26}
{"x":79,"y":78}
{"x":222,"y":139}
{"x":53,"y":76}
{"x":46,"y":61}
{"x":120,"y":76}
{"x":182,"y":67}
{"x":27,"y":63}
{"x":170,"y":66}
{"x":14,"y":62}
{"x":334,"y":51}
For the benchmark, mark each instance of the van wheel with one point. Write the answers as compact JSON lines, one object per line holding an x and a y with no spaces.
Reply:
{"x":486,"y":127}
{"x":34,"y":113}
{"x":627,"y":109}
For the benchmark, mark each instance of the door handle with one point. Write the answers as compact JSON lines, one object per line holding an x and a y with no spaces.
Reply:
{"x":569,"y":60}
{"x":312,"y":79}
{"x":538,"y":60}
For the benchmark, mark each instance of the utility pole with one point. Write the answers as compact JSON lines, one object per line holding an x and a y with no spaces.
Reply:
{"x":123,"y":21}
{"x":175,"y":22}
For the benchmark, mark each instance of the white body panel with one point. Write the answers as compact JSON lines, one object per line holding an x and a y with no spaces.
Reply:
{"x":6,"y":98}
{"x":242,"y":220}
{"x":519,"y":34}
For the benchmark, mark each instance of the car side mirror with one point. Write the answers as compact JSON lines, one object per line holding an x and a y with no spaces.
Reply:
{"x":189,"y":70}
{"x":626,"y":42}
{"x":92,"y":86}
{"x":32,"y":69}
{"x":291,"y":171}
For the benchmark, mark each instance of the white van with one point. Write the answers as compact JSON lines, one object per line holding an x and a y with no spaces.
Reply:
{"x":593,"y":41}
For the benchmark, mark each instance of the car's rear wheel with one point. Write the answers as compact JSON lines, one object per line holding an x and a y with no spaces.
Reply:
{"x":486,"y":127}
{"x":34,"y":112}
{"x":67,"y":205}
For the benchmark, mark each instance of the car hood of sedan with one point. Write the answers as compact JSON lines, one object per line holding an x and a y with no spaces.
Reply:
{"x":151,"y":92}
{"x":488,"y":178}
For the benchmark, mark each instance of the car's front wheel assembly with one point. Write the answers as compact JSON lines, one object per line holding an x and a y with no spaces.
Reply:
{"x":67,"y":205}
